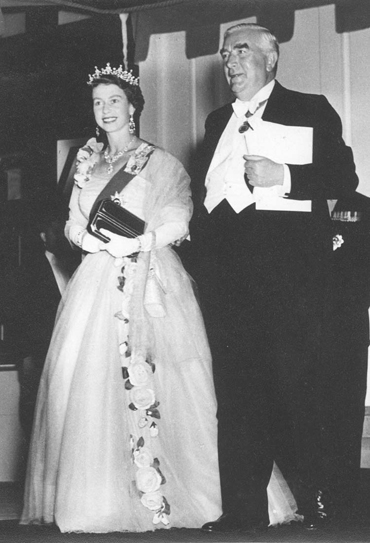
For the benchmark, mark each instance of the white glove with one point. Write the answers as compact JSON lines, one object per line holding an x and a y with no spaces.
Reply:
{"x":91,"y":244}
{"x":119,"y":246}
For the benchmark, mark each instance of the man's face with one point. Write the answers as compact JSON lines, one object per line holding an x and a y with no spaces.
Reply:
{"x":247,"y":68}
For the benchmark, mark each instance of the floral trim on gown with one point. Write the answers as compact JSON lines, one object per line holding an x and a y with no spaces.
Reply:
{"x":137,"y":370}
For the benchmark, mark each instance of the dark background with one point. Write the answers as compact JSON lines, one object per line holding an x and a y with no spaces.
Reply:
{"x":43,"y":98}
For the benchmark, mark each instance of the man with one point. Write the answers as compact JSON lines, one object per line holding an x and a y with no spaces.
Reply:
{"x":345,"y":350}
{"x":271,"y":159}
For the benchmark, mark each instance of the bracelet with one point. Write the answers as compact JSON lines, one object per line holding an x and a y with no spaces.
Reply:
{"x":140,"y":245}
{"x":79,"y":237}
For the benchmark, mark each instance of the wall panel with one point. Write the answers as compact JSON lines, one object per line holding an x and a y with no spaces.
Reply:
{"x":300,"y":57}
{"x":331,"y":59}
{"x":166,"y":80}
{"x":360,"y":104}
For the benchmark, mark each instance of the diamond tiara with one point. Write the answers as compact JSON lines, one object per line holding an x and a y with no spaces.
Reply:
{"x":118,"y":72}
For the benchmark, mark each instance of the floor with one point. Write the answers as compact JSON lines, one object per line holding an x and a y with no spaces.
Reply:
{"x":12,"y":532}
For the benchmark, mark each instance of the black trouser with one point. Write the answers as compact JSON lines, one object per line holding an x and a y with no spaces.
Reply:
{"x":262,"y":285}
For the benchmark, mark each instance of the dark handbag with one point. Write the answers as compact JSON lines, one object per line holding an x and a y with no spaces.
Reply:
{"x":115,"y":218}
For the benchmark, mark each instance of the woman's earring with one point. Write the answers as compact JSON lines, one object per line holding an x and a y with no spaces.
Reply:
{"x":97,"y":131}
{"x":131,"y":125}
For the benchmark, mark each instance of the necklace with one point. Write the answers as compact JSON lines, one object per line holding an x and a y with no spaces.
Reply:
{"x":110,"y":160}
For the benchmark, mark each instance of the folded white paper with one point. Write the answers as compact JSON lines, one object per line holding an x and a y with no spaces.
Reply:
{"x":285,"y":145}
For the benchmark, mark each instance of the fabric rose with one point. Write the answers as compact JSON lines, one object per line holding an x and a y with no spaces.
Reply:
{"x":82,"y":176}
{"x":142,"y":398}
{"x":143,"y":422}
{"x":161,"y":517}
{"x":139,"y":358}
{"x":80,"y":179}
{"x":130,"y":268}
{"x":139,"y":374}
{"x":90,"y":147}
{"x":148,"y":479}
{"x":84,"y":153}
{"x":152,"y":500}
{"x":87,"y":157}
{"x":143,"y":458}
{"x":123,"y":348}
{"x":337,"y":241}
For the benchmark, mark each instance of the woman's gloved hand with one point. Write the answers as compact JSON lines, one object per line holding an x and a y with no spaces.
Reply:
{"x":119,"y":246}
{"x":91,"y":244}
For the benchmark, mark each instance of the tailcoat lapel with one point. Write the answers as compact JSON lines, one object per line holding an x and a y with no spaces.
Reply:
{"x":283,"y":108}
{"x":216,"y":124}
{"x":277,"y":107}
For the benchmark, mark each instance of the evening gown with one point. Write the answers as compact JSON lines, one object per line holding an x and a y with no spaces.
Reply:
{"x":124,"y":437}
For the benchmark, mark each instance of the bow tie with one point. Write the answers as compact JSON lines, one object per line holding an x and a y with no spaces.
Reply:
{"x":246,"y":126}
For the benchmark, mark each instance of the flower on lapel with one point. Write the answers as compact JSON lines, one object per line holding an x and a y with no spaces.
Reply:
{"x":86,"y":159}
{"x":337,"y":241}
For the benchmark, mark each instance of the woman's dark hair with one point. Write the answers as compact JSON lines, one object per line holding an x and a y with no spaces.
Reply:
{"x":133,"y":92}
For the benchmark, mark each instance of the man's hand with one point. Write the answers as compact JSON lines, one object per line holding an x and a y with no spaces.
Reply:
{"x":263,"y":172}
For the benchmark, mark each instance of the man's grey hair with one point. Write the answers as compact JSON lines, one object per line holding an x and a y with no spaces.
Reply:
{"x":267,"y":41}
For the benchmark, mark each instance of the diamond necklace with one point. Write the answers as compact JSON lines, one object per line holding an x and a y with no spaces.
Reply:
{"x":111,"y":160}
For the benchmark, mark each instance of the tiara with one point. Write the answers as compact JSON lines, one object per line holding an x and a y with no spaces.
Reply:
{"x":118,"y":72}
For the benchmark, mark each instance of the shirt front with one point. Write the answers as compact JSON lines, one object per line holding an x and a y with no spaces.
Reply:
{"x":225,"y":176}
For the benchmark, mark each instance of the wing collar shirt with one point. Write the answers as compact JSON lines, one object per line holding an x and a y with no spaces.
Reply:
{"x":225,"y":176}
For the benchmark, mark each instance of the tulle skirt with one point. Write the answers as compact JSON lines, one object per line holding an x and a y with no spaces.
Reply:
{"x":281,"y":503}
{"x":102,"y":459}
{"x":84,"y":462}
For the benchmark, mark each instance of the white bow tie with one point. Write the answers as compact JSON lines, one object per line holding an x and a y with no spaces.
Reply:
{"x":242,"y":108}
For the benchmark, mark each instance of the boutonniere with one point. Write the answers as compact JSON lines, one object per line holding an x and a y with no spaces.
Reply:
{"x":86,"y":159}
{"x":337,"y":241}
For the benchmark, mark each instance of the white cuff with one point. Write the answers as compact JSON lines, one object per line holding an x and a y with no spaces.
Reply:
{"x":166,"y":234}
{"x":75,"y":234}
{"x":285,"y":188}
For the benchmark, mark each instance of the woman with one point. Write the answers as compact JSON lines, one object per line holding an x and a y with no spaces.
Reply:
{"x":125,"y":429}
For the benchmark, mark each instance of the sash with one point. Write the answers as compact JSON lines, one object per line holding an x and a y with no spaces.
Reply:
{"x":116,"y":184}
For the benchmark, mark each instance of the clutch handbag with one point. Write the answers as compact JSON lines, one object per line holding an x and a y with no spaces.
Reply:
{"x":110,"y":215}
